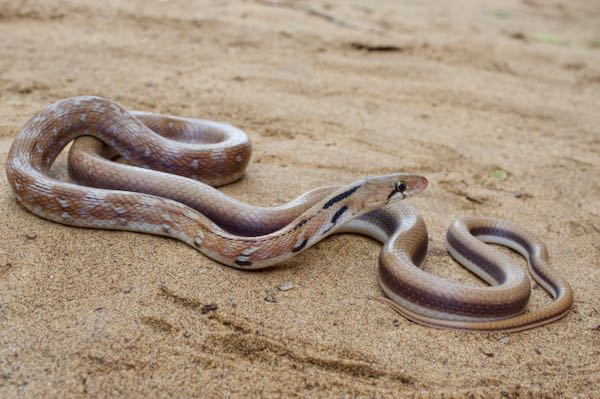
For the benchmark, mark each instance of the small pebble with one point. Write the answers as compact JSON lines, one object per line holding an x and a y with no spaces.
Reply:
{"x":270,"y":296}
{"x":476,"y":199}
{"x":209,"y":307}
{"x":487,"y":352}
{"x":505,"y":340}
{"x":396,"y":322}
{"x":31,"y":236}
{"x":539,"y":352}
{"x":286,"y":286}
{"x":500,"y":174}
{"x":521,"y":195}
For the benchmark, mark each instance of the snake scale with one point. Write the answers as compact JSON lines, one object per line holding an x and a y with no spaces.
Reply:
{"x":166,"y":187}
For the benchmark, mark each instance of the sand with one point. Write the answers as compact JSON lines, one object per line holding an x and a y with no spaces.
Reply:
{"x":328,"y":92}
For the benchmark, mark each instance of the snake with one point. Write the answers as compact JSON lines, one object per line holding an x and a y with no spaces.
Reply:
{"x":159,"y":174}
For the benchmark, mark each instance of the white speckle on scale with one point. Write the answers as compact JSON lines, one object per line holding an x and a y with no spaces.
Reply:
{"x":62,"y":202}
{"x":198,"y":239}
{"x":249,"y":251}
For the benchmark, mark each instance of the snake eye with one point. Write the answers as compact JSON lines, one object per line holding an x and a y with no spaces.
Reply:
{"x":400,"y":186}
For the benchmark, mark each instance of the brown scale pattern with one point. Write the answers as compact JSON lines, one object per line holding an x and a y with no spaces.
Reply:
{"x":165,"y":189}
{"x":154,"y":194}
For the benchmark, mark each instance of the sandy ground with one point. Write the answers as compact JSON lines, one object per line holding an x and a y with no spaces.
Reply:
{"x":329,"y":92}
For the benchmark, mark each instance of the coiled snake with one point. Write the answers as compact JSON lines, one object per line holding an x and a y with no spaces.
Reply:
{"x":160,"y":191}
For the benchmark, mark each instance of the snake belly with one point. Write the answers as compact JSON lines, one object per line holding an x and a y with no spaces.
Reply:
{"x":166,"y":188}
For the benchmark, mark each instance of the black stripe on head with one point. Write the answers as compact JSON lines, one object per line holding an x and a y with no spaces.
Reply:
{"x":300,"y":246}
{"x":338,"y":214}
{"x":391,"y":194}
{"x":340,"y":197}
{"x":394,"y":191}
{"x":243,"y":262}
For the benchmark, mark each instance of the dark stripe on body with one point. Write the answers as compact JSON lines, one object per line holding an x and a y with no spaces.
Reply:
{"x":302,"y":223}
{"x":382,"y":219}
{"x":510,"y":235}
{"x":498,"y":232}
{"x":420,"y":252}
{"x":476,"y":258}
{"x":339,"y":213}
{"x":243,"y":262}
{"x":300,"y":246}
{"x":340,"y":197}
{"x":437,"y":301}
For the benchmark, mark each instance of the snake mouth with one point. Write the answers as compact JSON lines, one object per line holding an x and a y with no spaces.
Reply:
{"x":421,"y":184}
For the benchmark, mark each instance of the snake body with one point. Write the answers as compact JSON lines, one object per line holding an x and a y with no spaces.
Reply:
{"x":166,"y":189}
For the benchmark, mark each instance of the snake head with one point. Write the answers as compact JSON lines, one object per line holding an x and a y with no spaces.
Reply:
{"x":380,"y":190}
